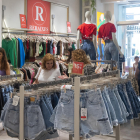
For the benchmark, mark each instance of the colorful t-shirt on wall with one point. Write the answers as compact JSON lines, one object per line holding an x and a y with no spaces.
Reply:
{"x":87,"y":30}
{"x":106,"y":30}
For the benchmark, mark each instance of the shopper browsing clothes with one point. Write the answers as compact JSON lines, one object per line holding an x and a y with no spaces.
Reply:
{"x":66,"y":62}
{"x":79,"y":55}
{"x":4,"y":65}
{"x":137,"y":75}
{"x":48,"y":70}
{"x":135,"y":65}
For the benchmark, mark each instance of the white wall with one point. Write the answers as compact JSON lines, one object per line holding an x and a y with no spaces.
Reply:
{"x":11,"y":14}
{"x":60,"y":18}
{"x":16,"y":7}
{"x":0,"y":22}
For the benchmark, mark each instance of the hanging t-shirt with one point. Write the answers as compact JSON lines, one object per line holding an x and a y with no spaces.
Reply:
{"x":106,"y":30}
{"x":87,"y":30}
{"x":48,"y":75}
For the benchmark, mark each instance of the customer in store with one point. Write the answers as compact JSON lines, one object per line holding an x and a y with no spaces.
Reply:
{"x":135,"y":65}
{"x":122,"y":64}
{"x":66,"y":62}
{"x":79,"y":55}
{"x":137,"y":75}
{"x":4,"y":65}
{"x":69,"y":57}
{"x":48,"y":71}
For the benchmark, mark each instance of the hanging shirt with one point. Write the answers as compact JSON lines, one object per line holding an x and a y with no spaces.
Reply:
{"x":2,"y":72}
{"x":87,"y":30}
{"x":22,"y":53}
{"x":106,"y":30}
{"x":10,"y":48}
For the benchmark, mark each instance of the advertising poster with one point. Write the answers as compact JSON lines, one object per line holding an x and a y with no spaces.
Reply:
{"x":100,"y":21}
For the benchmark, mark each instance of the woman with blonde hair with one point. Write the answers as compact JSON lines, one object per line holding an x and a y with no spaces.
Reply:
{"x":79,"y":55}
{"x":48,"y":70}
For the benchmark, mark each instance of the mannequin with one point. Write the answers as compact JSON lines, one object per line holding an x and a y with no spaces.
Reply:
{"x":107,"y":32}
{"x":89,"y":39}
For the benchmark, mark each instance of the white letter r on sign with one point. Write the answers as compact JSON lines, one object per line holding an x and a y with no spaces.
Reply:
{"x":39,"y":14}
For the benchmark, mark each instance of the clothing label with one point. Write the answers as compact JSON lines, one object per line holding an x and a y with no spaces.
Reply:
{"x":15,"y":100}
{"x":32,"y":99}
{"x":83,"y":114}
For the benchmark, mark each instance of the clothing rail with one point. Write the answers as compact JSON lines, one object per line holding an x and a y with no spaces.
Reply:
{"x":105,"y":61}
{"x":22,"y":92}
{"x":9,"y":76}
{"x":77,"y":81}
{"x":95,"y":76}
{"x":76,"y":102}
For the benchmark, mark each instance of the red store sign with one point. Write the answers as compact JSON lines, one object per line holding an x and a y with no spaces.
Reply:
{"x":78,"y":68}
{"x":23,"y":21}
{"x":38,"y":16}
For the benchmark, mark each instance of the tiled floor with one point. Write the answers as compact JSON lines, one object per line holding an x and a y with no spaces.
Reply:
{"x":127,"y":133}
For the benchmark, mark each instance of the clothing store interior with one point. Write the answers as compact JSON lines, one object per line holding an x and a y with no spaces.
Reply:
{"x":69,"y":70}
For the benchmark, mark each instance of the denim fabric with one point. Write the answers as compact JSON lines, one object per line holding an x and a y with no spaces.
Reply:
{"x":54,"y":100}
{"x":51,"y":47}
{"x":89,"y":48}
{"x":116,"y":105}
{"x":123,"y":109}
{"x":124,"y":90}
{"x":107,"y":108}
{"x":111,"y":51}
{"x":112,"y":111}
{"x":125,"y":101}
{"x":133,"y":99}
{"x":33,"y":120}
{"x":46,"y":114}
{"x":97,"y":119}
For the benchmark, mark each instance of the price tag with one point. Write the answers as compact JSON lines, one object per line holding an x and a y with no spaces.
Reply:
{"x":83,"y":114}
{"x":78,"y":68}
{"x":15,"y":100}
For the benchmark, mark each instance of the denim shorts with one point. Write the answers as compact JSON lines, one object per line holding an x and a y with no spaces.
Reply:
{"x":97,"y":118}
{"x":33,"y":120}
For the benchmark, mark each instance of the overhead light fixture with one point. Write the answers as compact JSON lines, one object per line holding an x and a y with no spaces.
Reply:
{"x":118,"y":1}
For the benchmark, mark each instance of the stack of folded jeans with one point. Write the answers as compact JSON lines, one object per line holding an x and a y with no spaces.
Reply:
{"x":97,"y":118}
{"x":37,"y":114}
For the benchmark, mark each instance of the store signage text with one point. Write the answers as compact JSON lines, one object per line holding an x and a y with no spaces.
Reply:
{"x":23,"y":21}
{"x":78,"y":68}
{"x":39,"y":16}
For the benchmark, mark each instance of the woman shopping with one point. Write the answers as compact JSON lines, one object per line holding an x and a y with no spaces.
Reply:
{"x":79,"y":55}
{"x":48,"y":71}
{"x":4,"y":65}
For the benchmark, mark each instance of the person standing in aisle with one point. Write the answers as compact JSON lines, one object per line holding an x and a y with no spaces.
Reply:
{"x":4,"y":65}
{"x":48,"y":71}
{"x":135,"y":65}
{"x":137,"y":75}
{"x":122,"y":64}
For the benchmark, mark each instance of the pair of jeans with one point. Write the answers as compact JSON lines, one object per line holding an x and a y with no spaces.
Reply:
{"x":107,"y":108}
{"x":111,"y":108}
{"x":47,"y":111}
{"x":33,"y":120}
{"x":97,"y":119}
{"x":89,"y":48}
{"x":133,"y":99}
{"x":111,"y":51}
{"x":54,"y":100}
{"x":125,"y":114}
{"x":125,"y":101}
{"x":116,"y":105}
{"x":51,"y":47}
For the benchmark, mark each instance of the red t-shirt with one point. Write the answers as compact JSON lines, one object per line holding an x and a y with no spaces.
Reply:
{"x":105,"y":31}
{"x":87,"y":30}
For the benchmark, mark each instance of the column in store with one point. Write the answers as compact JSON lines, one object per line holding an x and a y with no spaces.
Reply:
{"x":129,"y":50}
